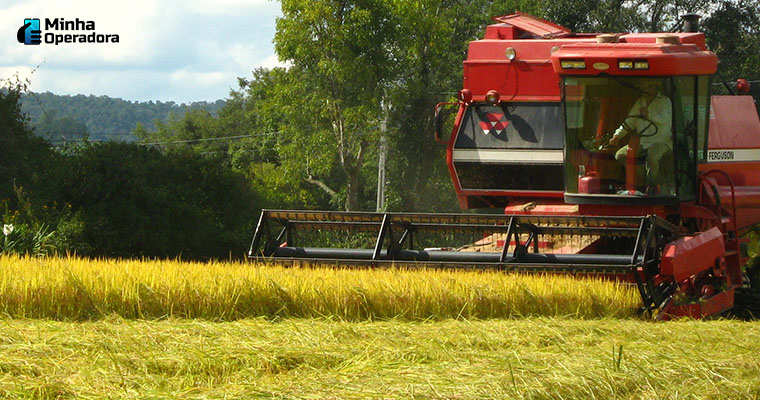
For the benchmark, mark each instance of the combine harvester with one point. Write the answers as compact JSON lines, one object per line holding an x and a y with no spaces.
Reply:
{"x":607,"y":154}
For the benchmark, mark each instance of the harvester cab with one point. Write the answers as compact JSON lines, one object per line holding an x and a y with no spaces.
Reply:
{"x":607,"y":154}
{"x":636,"y":118}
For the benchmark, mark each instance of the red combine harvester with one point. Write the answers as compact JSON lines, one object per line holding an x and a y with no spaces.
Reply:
{"x":607,"y":154}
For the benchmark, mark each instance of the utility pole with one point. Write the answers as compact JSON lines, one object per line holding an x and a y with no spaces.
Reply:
{"x":381,"y":157}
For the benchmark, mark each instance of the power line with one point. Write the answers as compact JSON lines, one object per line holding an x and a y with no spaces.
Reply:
{"x":214,"y":139}
{"x":186,"y":141}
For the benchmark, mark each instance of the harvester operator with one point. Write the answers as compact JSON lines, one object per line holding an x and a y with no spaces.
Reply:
{"x":650,"y":118}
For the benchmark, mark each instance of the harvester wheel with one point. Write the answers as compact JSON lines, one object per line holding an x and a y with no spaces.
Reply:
{"x":746,"y":303}
{"x":753,"y":274}
{"x":747,"y":298}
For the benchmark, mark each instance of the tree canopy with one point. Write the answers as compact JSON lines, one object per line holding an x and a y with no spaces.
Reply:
{"x":312,"y":130}
{"x":65,"y":117}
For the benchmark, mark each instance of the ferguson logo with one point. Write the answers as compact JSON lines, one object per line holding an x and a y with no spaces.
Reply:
{"x":720,"y":155}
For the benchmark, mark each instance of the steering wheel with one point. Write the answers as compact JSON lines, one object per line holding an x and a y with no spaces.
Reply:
{"x":650,"y":124}
{"x":604,"y":141}
{"x":607,"y":137}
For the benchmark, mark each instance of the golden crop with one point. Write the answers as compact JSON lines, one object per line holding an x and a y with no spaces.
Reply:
{"x":81,"y":289}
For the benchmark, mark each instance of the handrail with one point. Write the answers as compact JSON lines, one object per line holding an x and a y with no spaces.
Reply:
{"x":438,"y":121}
{"x":733,"y":195}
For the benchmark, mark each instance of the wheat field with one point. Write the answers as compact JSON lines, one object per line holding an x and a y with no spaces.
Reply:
{"x":78,"y":328}
{"x":75,"y":289}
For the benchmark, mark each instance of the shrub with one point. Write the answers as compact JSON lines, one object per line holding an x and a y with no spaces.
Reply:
{"x":137,"y":201}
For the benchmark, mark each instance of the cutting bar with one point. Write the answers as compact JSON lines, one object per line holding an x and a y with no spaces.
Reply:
{"x":393,"y":240}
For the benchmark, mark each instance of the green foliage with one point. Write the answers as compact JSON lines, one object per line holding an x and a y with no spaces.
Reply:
{"x":118,"y":199}
{"x":733,"y":33}
{"x":100,"y":116}
{"x":27,"y":166}
{"x":138,"y":201}
{"x":25,"y":239}
{"x":39,"y":230}
{"x":621,"y":15}
{"x":239,"y":135}
{"x":56,"y":128}
{"x":275,"y":188}
{"x":245,"y":113}
{"x":342,"y":61}
{"x":23,"y":157}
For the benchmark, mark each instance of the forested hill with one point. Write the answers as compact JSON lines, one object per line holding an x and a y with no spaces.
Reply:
{"x":99,"y":117}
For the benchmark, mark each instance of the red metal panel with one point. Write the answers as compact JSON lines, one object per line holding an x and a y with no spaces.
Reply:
{"x":696,"y":38}
{"x":689,"y":256}
{"x":664,"y":59}
{"x":746,"y":196}
{"x":533,"y":25}
{"x":742,"y":173}
{"x":747,"y":218}
{"x":500,"y":31}
{"x":704,"y":308}
{"x":512,"y":80}
{"x":529,"y":77}
{"x":734,"y":123}
{"x":628,"y":210}
{"x":538,"y":50}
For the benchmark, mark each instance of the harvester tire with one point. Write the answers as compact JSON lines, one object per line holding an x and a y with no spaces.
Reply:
{"x":746,"y":303}
{"x":753,"y":273}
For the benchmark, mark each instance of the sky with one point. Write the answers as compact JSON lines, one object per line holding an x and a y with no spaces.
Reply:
{"x":169,"y":50}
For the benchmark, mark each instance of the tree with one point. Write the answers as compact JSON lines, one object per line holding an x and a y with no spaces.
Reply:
{"x":733,"y":33}
{"x":60,"y":128}
{"x":247,"y":112}
{"x":622,"y":15}
{"x":340,"y":62}
{"x":23,"y":156}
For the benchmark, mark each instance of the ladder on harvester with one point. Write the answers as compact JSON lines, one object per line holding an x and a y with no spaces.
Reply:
{"x":746,"y":297}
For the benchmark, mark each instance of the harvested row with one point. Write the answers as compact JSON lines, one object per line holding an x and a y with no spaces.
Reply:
{"x":531,"y":358}
{"x":80,"y":289}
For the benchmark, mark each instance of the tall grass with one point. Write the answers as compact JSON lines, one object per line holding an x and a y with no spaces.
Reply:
{"x":81,"y":289}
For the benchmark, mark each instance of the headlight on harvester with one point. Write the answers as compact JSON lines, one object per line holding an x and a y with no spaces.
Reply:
{"x":633,"y":64}
{"x":493,"y":97}
{"x":465,"y":96}
{"x":510,"y":53}
{"x":573,"y":64}
{"x":641,"y":64}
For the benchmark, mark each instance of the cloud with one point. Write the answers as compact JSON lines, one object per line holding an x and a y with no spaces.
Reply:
{"x":272,"y":62}
{"x":137,"y":85}
{"x":191,"y":49}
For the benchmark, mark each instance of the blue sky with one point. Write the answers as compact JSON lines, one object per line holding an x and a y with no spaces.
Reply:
{"x":181,"y":51}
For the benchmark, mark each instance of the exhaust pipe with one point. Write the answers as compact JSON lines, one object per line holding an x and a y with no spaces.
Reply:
{"x":691,"y":22}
